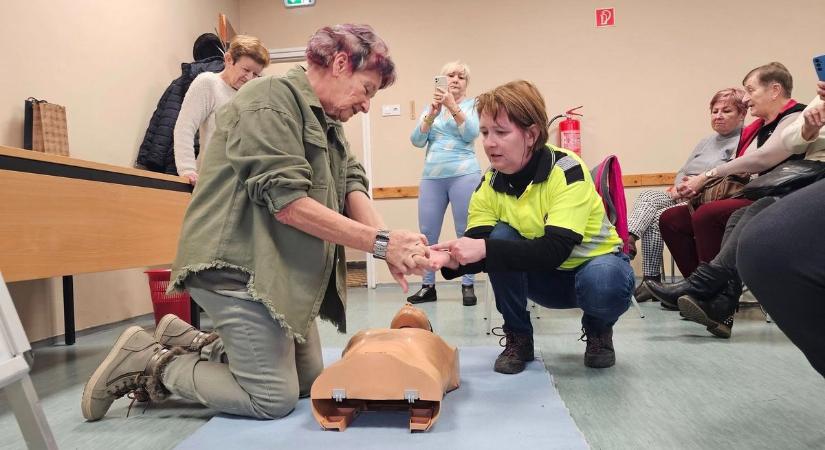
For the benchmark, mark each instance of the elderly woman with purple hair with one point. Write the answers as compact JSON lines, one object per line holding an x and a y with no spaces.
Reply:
{"x":261,"y":248}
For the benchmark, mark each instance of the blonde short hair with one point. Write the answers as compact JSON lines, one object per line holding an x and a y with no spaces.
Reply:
{"x":453,"y":66}
{"x":242,"y":45}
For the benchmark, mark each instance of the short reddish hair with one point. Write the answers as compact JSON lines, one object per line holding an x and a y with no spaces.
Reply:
{"x":732,"y":96}
{"x":523,"y":104}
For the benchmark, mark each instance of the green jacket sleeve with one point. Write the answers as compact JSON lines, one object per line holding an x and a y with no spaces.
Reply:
{"x":265,"y":148}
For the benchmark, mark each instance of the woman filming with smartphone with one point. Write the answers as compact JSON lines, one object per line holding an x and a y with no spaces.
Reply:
{"x":447,"y":128}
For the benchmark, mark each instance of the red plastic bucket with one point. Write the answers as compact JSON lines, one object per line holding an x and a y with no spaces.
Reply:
{"x":163,"y":303}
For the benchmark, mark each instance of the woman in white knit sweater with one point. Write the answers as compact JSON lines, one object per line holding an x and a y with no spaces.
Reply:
{"x":244,"y":60}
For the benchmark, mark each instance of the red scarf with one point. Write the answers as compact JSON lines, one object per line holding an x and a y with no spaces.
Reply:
{"x":749,"y":133}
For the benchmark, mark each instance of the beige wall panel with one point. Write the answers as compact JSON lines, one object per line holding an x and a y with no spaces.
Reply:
{"x":108,"y":63}
{"x":645,"y":83}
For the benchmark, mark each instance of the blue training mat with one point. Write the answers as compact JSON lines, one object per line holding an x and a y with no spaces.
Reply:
{"x":489,"y":410}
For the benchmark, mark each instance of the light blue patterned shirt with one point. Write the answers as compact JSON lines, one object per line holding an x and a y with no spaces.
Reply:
{"x":450,"y":151}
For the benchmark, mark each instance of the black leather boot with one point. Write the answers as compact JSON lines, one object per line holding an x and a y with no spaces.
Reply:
{"x":704,"y":283}
{"x":468,"y":295}
{"x":425,"y":294}
{"x":642,"y":293}
{"x":715,"y":314}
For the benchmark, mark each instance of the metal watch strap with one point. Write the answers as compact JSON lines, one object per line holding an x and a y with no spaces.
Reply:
{"x":382,"y":240}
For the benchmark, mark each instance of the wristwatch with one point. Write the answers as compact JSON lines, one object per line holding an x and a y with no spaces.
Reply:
{"x":382,"y":240}
{"x":710,"y":173}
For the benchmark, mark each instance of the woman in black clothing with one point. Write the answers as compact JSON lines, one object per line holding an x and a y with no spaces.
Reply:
{"x":781,"y":258}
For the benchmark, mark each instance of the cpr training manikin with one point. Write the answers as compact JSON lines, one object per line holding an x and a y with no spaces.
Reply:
{"x":406,"y":366}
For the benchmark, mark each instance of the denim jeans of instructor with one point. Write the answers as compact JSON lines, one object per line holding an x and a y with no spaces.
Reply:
{"x":601,"y":287}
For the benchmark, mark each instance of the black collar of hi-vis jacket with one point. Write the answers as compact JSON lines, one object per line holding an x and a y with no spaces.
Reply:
{"x":536,"y":170}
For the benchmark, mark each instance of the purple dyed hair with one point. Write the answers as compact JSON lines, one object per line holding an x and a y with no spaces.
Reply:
{"x":365,"y":49}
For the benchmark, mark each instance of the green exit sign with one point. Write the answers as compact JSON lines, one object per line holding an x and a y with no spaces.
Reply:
{"x":295,"y":3}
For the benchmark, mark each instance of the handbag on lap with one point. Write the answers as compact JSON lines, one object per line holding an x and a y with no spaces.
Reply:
{"x":784,"y":179}
{"x":719,"y":188}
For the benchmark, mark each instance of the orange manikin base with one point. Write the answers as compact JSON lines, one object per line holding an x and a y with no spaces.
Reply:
{"x":406,"y":366}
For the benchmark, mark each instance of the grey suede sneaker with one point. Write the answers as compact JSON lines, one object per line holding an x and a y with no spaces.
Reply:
{"x":134,"y":363}
{"x":173,"y":331}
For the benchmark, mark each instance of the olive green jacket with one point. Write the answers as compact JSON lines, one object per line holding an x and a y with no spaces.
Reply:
{"x":273,"y":144}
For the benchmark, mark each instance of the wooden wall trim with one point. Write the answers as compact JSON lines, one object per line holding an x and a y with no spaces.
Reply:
{"x":632,"y":180}
{"x":649,"y":179}
{"x":382,"y":193}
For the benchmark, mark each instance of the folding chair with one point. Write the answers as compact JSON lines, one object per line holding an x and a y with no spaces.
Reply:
{"x":14,"y":377}
{"x":607,"y":176}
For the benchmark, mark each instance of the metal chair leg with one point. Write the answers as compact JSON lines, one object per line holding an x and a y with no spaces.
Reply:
{"x":636,"y":304}
{"x":488,"y":300}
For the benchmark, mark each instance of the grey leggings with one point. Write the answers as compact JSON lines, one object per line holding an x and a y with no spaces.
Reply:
{"x":263,"y":372}
{"x":433,"y":196}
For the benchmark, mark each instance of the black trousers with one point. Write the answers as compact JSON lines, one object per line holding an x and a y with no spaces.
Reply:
{"x":781,"y":258}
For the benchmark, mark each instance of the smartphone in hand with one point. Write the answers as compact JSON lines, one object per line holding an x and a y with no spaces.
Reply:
{"x":441,"y":81}
{"x":819,"y":65}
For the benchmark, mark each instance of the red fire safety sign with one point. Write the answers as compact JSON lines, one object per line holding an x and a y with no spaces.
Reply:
{"x":605,"y":17}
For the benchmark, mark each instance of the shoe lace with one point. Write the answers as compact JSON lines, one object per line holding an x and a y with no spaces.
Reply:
{"x":594,"y":341}
{"x":138,"y":395}
{"x":509,"y":340}
{"x":132,"y":388}
{"x":500,"y":332}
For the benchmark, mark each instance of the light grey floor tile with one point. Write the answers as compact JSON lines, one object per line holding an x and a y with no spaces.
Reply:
{"x":674,"y":386}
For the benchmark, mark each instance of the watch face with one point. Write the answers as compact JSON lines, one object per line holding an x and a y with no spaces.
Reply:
{"x":380,"y":249}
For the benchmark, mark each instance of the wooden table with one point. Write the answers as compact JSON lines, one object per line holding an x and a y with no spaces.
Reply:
{"x":63,"y":216}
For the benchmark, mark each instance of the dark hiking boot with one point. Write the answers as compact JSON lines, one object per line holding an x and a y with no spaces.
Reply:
{"x":518,"y":350}
{"x":599,"y":353}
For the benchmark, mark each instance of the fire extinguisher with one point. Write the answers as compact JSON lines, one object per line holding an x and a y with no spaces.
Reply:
{"x":570,"y":134}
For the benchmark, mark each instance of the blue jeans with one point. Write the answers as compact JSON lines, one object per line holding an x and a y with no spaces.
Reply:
{"x":433,"y":196}
{"x":601,"y":287}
